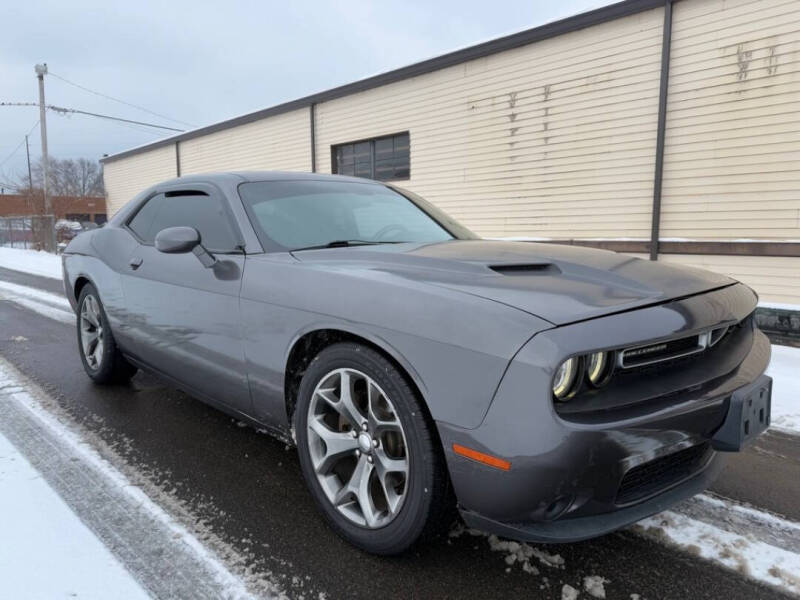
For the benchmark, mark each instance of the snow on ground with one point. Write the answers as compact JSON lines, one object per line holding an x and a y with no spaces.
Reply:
{"x":785,"y":371}
{"x":780,"y":306}
{"x":594,"y":586}
{"x":52,"y":306}
{"x":161,"y":554}
{"x":40,"y":530}
{"x":569,"y":593}
{"x":43,"y":264}
{"x":756,"y":544}
{"x":735,"y":550}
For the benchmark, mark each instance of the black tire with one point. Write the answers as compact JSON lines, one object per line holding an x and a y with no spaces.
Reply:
{"x":427,"y":508}
{"x":111,"y":366}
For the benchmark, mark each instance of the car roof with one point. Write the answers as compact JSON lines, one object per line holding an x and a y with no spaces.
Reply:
{"x":249,"y":176}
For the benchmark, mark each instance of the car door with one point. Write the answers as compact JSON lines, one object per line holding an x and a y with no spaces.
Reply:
{"x":184,"y":317}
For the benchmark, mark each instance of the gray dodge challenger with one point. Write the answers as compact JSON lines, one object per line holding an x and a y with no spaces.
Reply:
{"x":551,"y":393}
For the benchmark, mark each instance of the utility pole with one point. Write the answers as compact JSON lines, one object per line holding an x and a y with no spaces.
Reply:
{"x":30,"y":178}
{"x":50,"y":235}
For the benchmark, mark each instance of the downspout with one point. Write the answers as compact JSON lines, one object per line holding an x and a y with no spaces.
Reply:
{"x":177,"y":159}
{"x":666,"y":42}
{"x":312,"y":119}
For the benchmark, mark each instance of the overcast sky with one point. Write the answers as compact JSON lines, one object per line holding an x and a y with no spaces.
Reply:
{"x":202,"y":62}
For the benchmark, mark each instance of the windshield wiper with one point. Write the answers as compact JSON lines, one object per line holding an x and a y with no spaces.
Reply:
{"x":343,"y":244}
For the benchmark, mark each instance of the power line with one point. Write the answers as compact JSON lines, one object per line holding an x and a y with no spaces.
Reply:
{"x":10,"y":156}
{"x":63,"y":111}
{"x":102,"y":95}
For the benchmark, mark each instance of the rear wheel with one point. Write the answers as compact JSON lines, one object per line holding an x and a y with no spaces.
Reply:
{"x":100,"y":356}
{"x":368,"y":451}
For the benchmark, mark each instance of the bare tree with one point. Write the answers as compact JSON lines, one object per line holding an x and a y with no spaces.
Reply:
{"x":79,"y":177}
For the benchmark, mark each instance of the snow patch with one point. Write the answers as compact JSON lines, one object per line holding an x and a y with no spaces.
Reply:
{"x":17,"y":388}
{"x":44,"y":303}
{"x":41,"y":529}
{"x":515,"y":552}
{"x":780,"y":306}
{"x":594,"y":586}
{"x":750,"y":557}
{"x":568,"y":592}
{"x":783,"y":368}
{"x":42,"y":264}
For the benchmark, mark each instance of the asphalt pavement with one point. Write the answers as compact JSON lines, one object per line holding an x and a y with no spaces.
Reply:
{"x":244,"y":487}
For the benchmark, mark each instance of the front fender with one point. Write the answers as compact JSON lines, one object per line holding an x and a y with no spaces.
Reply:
{"x":455,"y":346}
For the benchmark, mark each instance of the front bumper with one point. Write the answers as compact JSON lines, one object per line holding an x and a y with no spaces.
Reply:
{"x":572,"y":476}
{"x":591,"y":526}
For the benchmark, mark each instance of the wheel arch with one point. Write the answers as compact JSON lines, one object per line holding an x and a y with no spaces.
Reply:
{"x":310,"y":343}
{"x":80,"y":282}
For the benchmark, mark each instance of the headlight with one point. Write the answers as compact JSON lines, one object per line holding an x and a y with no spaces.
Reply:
{"x":564,"y":380}
{"x":598,"y":369}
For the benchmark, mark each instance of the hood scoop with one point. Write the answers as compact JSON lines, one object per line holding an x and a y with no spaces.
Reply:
{"x":517,"y":269}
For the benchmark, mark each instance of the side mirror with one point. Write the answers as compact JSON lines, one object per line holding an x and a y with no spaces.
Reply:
{"x":177,"y":240}
{"x":180,"y":240}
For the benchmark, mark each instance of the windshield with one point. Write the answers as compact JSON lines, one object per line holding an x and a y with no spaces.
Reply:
{"x":307,"y":214}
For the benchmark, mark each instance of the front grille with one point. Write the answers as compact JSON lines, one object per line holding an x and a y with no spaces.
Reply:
{"x":652,"y":476}
{"x":652,"y":353}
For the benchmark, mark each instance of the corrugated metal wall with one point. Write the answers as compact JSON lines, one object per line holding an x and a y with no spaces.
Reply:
{"x":775,"y":278}
{"x":732,"y":152}
{"x":554,"y":139}
{"x":279,"y":143}
{"x":127,"y":177}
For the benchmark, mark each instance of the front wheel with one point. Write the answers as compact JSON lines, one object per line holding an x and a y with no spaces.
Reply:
{"x":100,"y":356}
{"x":368,"y":452}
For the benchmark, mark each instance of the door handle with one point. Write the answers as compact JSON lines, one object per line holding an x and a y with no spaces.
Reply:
{"x":135,"y":262}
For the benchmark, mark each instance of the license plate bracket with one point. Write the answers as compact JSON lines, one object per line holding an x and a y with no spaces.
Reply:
{"x":749,"y":411}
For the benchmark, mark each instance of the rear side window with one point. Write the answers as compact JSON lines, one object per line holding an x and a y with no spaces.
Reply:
{"x":192,"y":209}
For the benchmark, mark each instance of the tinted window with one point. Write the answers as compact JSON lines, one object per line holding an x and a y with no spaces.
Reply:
{"x":297,"y":214}
{"x":201,"y":211}
{"x":142,"y":222}
{"x":384,"y":158}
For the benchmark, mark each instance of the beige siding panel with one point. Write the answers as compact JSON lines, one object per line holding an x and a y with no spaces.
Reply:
{"x":732,"y":155}
{"x":554,"y":139}
{"x":774,"y":278}
{"x":280,"y":143}
{"x":128,"y":176}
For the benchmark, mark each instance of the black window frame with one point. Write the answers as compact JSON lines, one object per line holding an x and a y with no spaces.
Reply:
{"x":373,"y":156}
{"x":198,"y":189}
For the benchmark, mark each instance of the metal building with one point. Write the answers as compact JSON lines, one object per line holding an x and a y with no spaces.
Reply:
{"x":655,"y":127}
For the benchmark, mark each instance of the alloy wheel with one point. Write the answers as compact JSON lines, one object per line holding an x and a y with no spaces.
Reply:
{"x":358,"y":448}
{"x":91,"y":328}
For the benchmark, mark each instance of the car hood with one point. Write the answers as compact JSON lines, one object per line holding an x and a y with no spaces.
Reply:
{"x":559,"y":283}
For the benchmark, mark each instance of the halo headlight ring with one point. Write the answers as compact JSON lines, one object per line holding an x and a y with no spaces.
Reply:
{"x":599,"y":367}
{"x":567,"y":378}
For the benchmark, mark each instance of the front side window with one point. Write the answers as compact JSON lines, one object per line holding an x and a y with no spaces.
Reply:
{"x":302,"y":214}
{"x":385,"y":158}
{"x":192,"y":209}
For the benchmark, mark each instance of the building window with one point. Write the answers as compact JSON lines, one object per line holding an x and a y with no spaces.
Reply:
{"x":384,"y":158}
